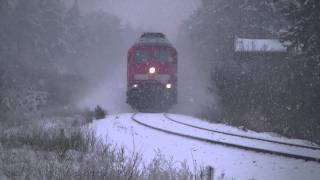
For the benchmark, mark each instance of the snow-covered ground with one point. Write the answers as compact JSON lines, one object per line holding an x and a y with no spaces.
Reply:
{"x":229,"y":129}
{"x":234,"y":163}
{"x":182,"y":129}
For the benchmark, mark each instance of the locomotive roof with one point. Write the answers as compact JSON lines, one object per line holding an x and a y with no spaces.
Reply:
{"x":153,"y":39}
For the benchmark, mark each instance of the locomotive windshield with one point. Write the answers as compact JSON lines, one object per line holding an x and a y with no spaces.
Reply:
{"x":163,"y":56}
{"x":142,"y":56}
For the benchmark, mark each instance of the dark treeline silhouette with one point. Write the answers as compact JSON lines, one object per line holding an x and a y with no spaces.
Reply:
{"x":51,"y":54}
{"x":275,"y":91}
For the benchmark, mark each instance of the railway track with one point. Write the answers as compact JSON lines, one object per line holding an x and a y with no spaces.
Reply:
{"x":230,"y":144}
{"x":242,"y":136}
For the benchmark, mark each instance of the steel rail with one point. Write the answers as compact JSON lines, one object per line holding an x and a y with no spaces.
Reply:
{"x":255,"y":149}
{"x":242,"y":136}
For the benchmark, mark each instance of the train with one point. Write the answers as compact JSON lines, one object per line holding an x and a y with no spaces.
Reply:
{"x":152,"y":73}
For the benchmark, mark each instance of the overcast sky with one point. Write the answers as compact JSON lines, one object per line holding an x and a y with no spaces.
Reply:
{"x":151,"y":15}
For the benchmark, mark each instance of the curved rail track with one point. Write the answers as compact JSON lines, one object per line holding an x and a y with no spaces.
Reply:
{"x":241,"y":136}
{"x":234,"y":145}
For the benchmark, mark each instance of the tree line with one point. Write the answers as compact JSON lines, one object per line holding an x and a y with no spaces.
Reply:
{"x":264,"y":91}
{"x":47,"y":49}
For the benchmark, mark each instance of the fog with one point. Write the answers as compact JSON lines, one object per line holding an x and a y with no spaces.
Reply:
{"x":245,"y":66}
{"x":247,"y":86}
{"x":157,"y":16}
{"x":150,"y":15}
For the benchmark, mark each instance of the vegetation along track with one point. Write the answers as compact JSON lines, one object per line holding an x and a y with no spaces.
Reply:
{"x":255,"y":149}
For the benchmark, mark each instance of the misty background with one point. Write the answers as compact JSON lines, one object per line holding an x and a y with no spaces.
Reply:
{"x":149,"y":16}
{"x":64,"y":54}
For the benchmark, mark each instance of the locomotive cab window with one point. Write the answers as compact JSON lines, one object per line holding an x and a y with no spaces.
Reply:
{"x":142,"y":56}
{"x":163,"y":56}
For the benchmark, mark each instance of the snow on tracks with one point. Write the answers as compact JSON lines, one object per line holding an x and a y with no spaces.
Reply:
{"x":234,"y":163}
{"x":178,"y":128}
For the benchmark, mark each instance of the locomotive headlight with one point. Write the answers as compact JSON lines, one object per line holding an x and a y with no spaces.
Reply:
{"x":135,"y":86}
{"x":168,"y":86}
{"x":152,"y":70}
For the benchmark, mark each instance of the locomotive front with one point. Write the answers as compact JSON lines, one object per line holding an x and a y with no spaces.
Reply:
{"x":152,"y":73}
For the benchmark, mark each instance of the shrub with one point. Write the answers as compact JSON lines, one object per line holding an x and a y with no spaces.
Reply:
{"x":57,"y":154}
{"x":99,"y":113}
{"x":88,"y":115}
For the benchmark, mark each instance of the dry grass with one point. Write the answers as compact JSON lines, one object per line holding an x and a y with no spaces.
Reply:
{"x":33,"y":150}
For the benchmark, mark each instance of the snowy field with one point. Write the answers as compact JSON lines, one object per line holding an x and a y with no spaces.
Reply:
{"x":232,"y":163}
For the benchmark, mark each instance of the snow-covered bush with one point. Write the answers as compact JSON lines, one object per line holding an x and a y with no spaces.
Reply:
{"x":99,"y":113}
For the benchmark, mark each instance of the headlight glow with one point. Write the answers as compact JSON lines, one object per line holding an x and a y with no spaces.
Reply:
{"x":168,"y":86}
{"x":152,"y":70}
{"x":135,"y":86}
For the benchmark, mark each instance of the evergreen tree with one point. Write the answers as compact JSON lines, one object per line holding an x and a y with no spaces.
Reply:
{"x":279,"y":93}
{"x":304,"y":32}
{"x":259,"y":19}
{"x":46,"y":47}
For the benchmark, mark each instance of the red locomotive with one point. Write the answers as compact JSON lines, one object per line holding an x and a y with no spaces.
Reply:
{"x":152,"y":73}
